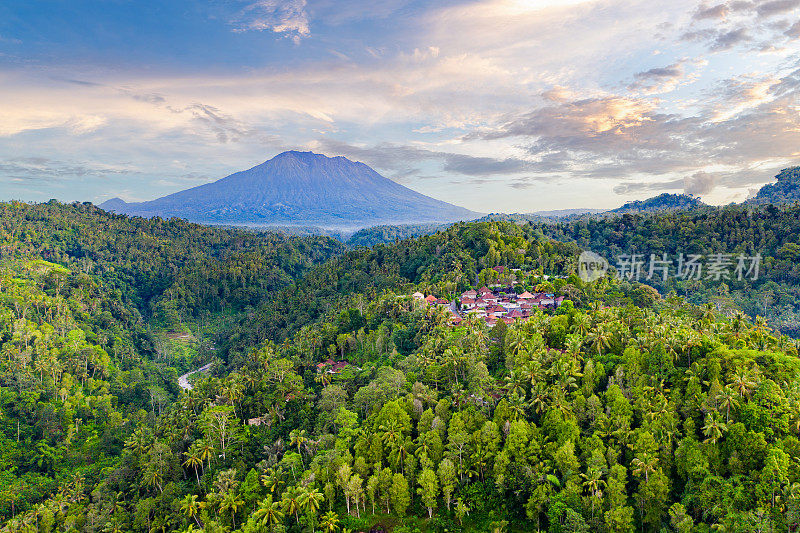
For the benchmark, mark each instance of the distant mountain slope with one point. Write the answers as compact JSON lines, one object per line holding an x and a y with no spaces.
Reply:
{"x":662,"y":202}
{"x":300,"y":188}
{"x":786,"y":190}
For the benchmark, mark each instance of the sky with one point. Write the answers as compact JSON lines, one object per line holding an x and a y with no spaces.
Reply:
{"x":495,"y":105}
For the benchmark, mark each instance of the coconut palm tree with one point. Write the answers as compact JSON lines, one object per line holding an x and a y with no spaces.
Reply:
{"x":593,"y":482}
{"x":231,"y":502}
{"x":743,"y":383}
{"x":713,"y":430}
{"x":191,"y":507}
{"x":645,"y":464}
{"x":206,"y":450}
{"x":193,"y":461}
{"x":727,"y":399}
{"x":299,"y":439}
{"x":291,"y":502}
{"x":330,"y":522}
{"x":269,"y":513}
{"x":310,"y":501}
{"x":600,"y":338}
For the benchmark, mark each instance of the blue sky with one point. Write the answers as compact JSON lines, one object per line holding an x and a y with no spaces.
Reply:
{"x":496,"y":105}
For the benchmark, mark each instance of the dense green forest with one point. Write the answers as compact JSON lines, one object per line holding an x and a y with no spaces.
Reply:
{"x":622,"y":410}
{"x":449,"y":262}
{"x":772,"y":231}
{"x":169,"y":274}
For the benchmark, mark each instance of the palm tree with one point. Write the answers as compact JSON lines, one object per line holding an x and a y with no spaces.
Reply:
{"x":153,"y":478}
{"x":582,"y":323}
{"x":272,"y":480}
{"x":269,"y":513}
{"x":206,"y":450}
{"x":291,"y":502}
{"x":517,"y":405}
{"x":310,"y":501}
{"x":194,"y":461}
{"x":233,"y":391}
{"x":298,"y":438}
{"x":593,"y":482}
{"x":190,"y":507}
{"x":539,"y":395}
{"x":727,"y":399}
{"x":110,"y":527}
{"x":713,"y":430}
{"x":743,"y":383}
{"x":330,"y":522}
{"x":600,"y":338}
{"x":644,"y":465}
{"x":231,"y":502}
{"x":391,"y":432}
{"x":516,"y":384}
{"x":323,"y":378}
{"x":517,"y":341}
{"x":573,"y":343}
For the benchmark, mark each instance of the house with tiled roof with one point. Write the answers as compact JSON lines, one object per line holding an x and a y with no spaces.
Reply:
{"x":332,"y":367}
{"x":516,"y":313}
{"x":489,"y":298}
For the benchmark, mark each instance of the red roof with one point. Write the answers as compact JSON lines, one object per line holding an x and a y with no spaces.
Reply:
{"x":430,"y":298}
{"x":525,"y":294}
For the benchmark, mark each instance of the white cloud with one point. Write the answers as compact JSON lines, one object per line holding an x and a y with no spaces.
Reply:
{"x":279,"y":16}
{"x":527,"y":92}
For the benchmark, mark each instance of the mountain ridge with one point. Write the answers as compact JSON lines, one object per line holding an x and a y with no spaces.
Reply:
{"x":662,"y":202}
{"x":785,"y":190}
{"x":299,"y":188}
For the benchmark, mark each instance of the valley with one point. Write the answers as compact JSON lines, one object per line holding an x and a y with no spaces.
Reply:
{"x":176,"y":376}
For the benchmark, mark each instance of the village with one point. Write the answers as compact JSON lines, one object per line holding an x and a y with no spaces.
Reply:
{"x":493,"y":305}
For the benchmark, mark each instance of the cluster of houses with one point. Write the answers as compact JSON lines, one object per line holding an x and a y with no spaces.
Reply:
{"x":502,"y":303}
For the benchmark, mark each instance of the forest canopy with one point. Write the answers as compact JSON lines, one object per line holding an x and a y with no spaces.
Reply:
{"x":338,"y":402}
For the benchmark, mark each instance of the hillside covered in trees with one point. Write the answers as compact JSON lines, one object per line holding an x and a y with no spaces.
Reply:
{"x":771,"y":231}
{"x":786,"y":190}
{"x":622,"y":410}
